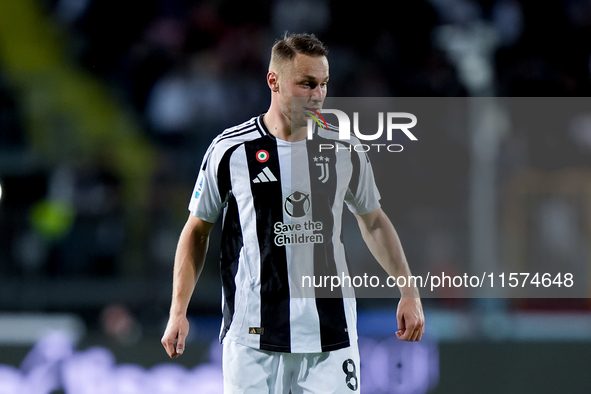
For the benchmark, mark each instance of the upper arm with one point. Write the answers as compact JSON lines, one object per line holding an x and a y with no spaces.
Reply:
{"x":206,"y":201}
{"x":214,"y":183}
{"x":370,"y":220}
{"x":198,"y":227}
{"x":362,"y":196}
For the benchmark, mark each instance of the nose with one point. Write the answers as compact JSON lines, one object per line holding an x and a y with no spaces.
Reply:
{"x":317,"y":94}
{"x":318,"y":91}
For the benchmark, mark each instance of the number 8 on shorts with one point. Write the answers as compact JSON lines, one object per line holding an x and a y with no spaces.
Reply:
{"x":350,"y":372}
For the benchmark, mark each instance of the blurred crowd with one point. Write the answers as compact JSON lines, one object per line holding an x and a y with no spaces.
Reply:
{"x":188,"y":69}
{"x":193,"y":67}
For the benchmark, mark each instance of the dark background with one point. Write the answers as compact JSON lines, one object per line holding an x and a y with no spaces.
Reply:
{"x":106,"y":108}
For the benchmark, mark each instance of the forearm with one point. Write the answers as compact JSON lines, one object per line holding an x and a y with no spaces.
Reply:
{"x":188,"y":264}
{"x":383,"y":242}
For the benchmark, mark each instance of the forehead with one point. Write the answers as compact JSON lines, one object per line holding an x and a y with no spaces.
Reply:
{"x":311,"y":66}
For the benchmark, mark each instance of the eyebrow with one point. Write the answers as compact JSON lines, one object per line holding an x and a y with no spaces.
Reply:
{"x":314,"y":78}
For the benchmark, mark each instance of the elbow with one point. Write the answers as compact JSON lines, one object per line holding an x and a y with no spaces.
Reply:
{"x":372,"y":221}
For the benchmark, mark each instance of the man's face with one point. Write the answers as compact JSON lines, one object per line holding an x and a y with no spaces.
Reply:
{"x":305,"y":79}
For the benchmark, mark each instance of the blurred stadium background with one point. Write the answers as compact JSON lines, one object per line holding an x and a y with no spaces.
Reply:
{"x":106,"y":108}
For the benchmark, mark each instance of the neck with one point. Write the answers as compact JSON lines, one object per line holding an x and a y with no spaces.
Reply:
{"x":280,"y":126}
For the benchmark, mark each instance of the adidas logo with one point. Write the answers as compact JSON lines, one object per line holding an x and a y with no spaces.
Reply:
{"x":265,"y":176}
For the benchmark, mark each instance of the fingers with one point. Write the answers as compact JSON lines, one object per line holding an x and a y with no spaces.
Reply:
{"x":410,"y":331}
{"x":416,"y":333}
{"x":167,"y":346}
{"x":417,"y":330}
{"x":174,"y":342}
{"x":411,"y":321}
{"x":405,"y":333}
{"x":401,"y":333}
{"x":180,"y":345}
{"x":168,"y":341}
{"x":174,"y":336}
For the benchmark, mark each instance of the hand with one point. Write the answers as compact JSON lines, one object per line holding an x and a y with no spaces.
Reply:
{"x":174,"y":336}
{"x":411,"y":321}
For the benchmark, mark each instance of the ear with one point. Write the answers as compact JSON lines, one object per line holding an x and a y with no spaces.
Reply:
{"x":273,"y":81}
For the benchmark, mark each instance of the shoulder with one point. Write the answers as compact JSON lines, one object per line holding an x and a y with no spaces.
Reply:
{"x":243,"y":132}
{"x":231,"y":138}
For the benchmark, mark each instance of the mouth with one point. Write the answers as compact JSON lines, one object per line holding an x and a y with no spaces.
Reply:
{"x":315,"y":108}
{"x":315,"y":115}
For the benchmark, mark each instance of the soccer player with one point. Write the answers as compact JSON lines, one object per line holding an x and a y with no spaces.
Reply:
{"x":282,"y":204}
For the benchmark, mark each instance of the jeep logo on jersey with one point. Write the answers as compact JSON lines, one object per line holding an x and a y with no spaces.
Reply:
{"x":297,"y":204}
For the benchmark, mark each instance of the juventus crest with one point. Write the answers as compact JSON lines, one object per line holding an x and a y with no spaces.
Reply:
{"x":322,"y":163}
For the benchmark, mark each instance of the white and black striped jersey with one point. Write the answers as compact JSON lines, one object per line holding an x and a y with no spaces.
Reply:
{"x":282,"y":208}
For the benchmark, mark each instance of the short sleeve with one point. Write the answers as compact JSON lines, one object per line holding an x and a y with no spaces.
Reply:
{"x":206,"y":202}
{"x":362,"y":196}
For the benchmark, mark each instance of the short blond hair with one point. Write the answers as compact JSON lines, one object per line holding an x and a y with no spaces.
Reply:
{"x":286,"y":48}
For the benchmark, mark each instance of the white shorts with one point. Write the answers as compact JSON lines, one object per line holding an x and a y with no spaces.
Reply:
{"x":248,"y":370}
